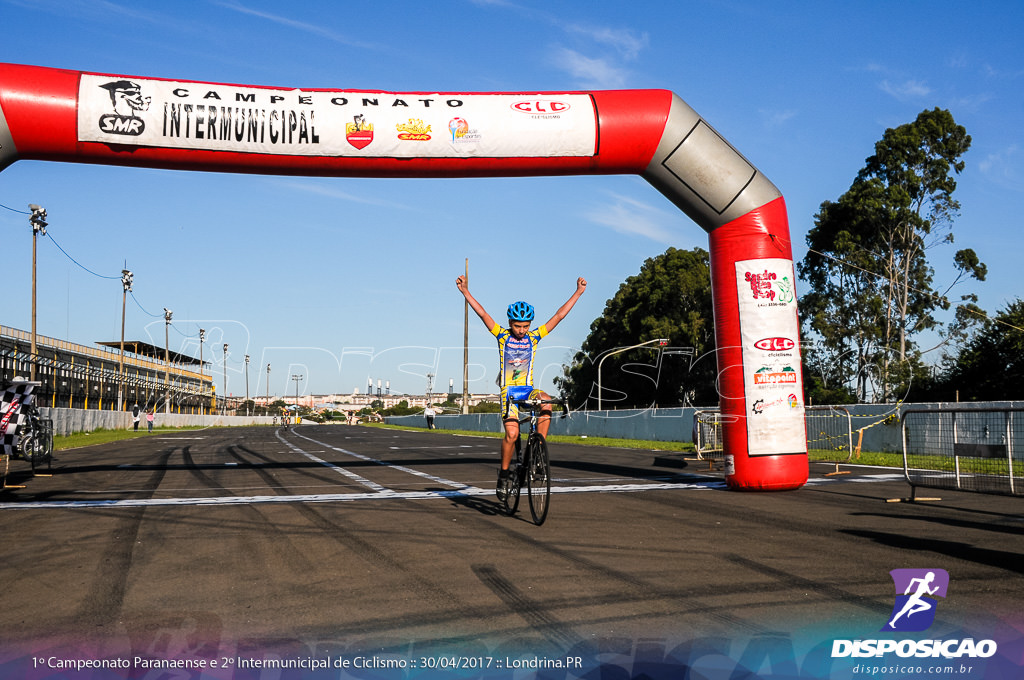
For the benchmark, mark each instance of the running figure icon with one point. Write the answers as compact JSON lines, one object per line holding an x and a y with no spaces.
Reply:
{"x":920,"y":589}
{"x":916,"y":604}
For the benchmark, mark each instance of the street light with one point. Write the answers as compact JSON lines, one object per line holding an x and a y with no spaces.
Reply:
{"x":224,"y":396}
{"x":38,"y":222}
{"x":661,"y":343}
{"x":247,"y":384}
{"x":126,"y":284}
{"x":167,"y":361}
{"x":268,"y":391}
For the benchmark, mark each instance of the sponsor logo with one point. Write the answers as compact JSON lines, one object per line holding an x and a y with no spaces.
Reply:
{"x":126,"y":100}
{"x":914,"y":611}
{"x":541,"y":107}
{"x":760,"y":406}
{"x":359,"y":133}
{"x":413,"y":130}
{"x":775,"y":344}
{"x":462,"y":133}
{"x":767,"y":375}
{"x":770,"y":287}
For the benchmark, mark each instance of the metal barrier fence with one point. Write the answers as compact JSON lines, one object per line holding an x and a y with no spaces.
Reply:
{"x":829,"y":434}
{"x":964,"y":449}
{"x":707,"y":435}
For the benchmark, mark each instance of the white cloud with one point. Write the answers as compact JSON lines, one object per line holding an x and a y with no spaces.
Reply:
{"x":626,"y":42}
{"x":1003,"y":168}
{"x":777,"y":118}
{"x":593,"y":73}
{"x":629,"y":216}
{"x":313,"y":29}
{"x":331,"y":192}
{"x":910,"y":89}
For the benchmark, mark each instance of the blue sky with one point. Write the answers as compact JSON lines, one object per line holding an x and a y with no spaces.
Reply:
{"x":341,"y":279}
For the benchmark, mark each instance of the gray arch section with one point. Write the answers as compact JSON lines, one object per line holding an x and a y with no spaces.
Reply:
{"x":8,"y":152}
{"x":702,"y":174}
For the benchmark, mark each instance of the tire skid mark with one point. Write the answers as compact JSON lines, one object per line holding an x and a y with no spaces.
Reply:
{"x":293,"y":556}
{"x":537,"y":616}
{"x":105,"y":596}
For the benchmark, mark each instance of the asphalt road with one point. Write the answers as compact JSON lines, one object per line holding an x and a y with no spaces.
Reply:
{"x":345,"y":543}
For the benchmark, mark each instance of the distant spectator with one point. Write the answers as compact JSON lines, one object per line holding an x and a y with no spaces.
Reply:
{"x":429,"y":413}
{"x":136,"y":414}
{"x":150,"y":415}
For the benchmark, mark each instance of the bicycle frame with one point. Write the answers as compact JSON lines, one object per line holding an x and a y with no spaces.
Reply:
{"x":532,"y":466}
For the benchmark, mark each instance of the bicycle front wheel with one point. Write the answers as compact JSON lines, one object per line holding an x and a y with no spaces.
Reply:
{"x":538,"y":477}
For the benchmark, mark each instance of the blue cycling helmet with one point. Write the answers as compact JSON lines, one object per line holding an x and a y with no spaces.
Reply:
{"x":520,"y":311}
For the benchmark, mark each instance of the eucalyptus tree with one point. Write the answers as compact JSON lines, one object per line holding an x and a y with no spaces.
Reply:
{"x":871,"y":288}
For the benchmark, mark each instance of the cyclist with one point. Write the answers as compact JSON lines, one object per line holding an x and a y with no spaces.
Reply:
{"x":516,"y":347}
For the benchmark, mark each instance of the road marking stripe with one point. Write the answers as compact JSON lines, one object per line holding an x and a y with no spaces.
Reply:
{"x":340,"y":470}
{"x":346,"y":497}
{"x":438,"y":480}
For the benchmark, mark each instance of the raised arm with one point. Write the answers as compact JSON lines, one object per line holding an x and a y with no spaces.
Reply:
{"x":581,"y":285}
{"x":463,"y":287}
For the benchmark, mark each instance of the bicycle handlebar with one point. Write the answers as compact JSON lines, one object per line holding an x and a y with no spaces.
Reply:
{"x":535,"y":404}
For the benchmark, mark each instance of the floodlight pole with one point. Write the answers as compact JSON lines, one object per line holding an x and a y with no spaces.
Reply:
{"x":202,"y":382}
{"x":296,"y":378}
{"x":126,"y":285}
{"x":224,"y":396}
{"x":246,"y":384}
{"x":38,"y":222}
{"x":167,"y":361}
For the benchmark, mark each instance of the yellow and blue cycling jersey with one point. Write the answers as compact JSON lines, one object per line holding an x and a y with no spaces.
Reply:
{"x":516,"y":368}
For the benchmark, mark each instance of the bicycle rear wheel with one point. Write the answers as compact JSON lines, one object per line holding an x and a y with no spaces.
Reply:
{"x":512,"y":486}
{"x":538,"y":477}
{"x":514,"y":482}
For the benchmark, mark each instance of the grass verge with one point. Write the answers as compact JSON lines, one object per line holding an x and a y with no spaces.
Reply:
{"x":80,"y":439}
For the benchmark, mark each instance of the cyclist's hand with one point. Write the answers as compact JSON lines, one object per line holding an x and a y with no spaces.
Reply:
{"x":460,"y":283}
{"x":581,"y":284}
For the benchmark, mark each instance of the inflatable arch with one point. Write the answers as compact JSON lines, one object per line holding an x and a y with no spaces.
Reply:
{"x":61,"y":115}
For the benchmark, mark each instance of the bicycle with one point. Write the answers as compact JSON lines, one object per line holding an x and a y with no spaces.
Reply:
{"x":531,"y":467}
{"x":35,"y":443}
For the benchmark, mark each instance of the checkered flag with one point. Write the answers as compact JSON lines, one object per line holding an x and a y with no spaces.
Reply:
{"x":13,"y":401}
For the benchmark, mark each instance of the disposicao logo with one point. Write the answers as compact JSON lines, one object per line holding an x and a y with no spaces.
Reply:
{"x":916,"y":590}
{"x":914,"y":611}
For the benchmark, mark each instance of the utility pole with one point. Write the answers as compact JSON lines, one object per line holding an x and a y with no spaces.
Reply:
{"x":465,"y":350}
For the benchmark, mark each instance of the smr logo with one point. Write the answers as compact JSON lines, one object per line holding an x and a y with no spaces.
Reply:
{"x":126,"y":99}
{"x":916,"y":590}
